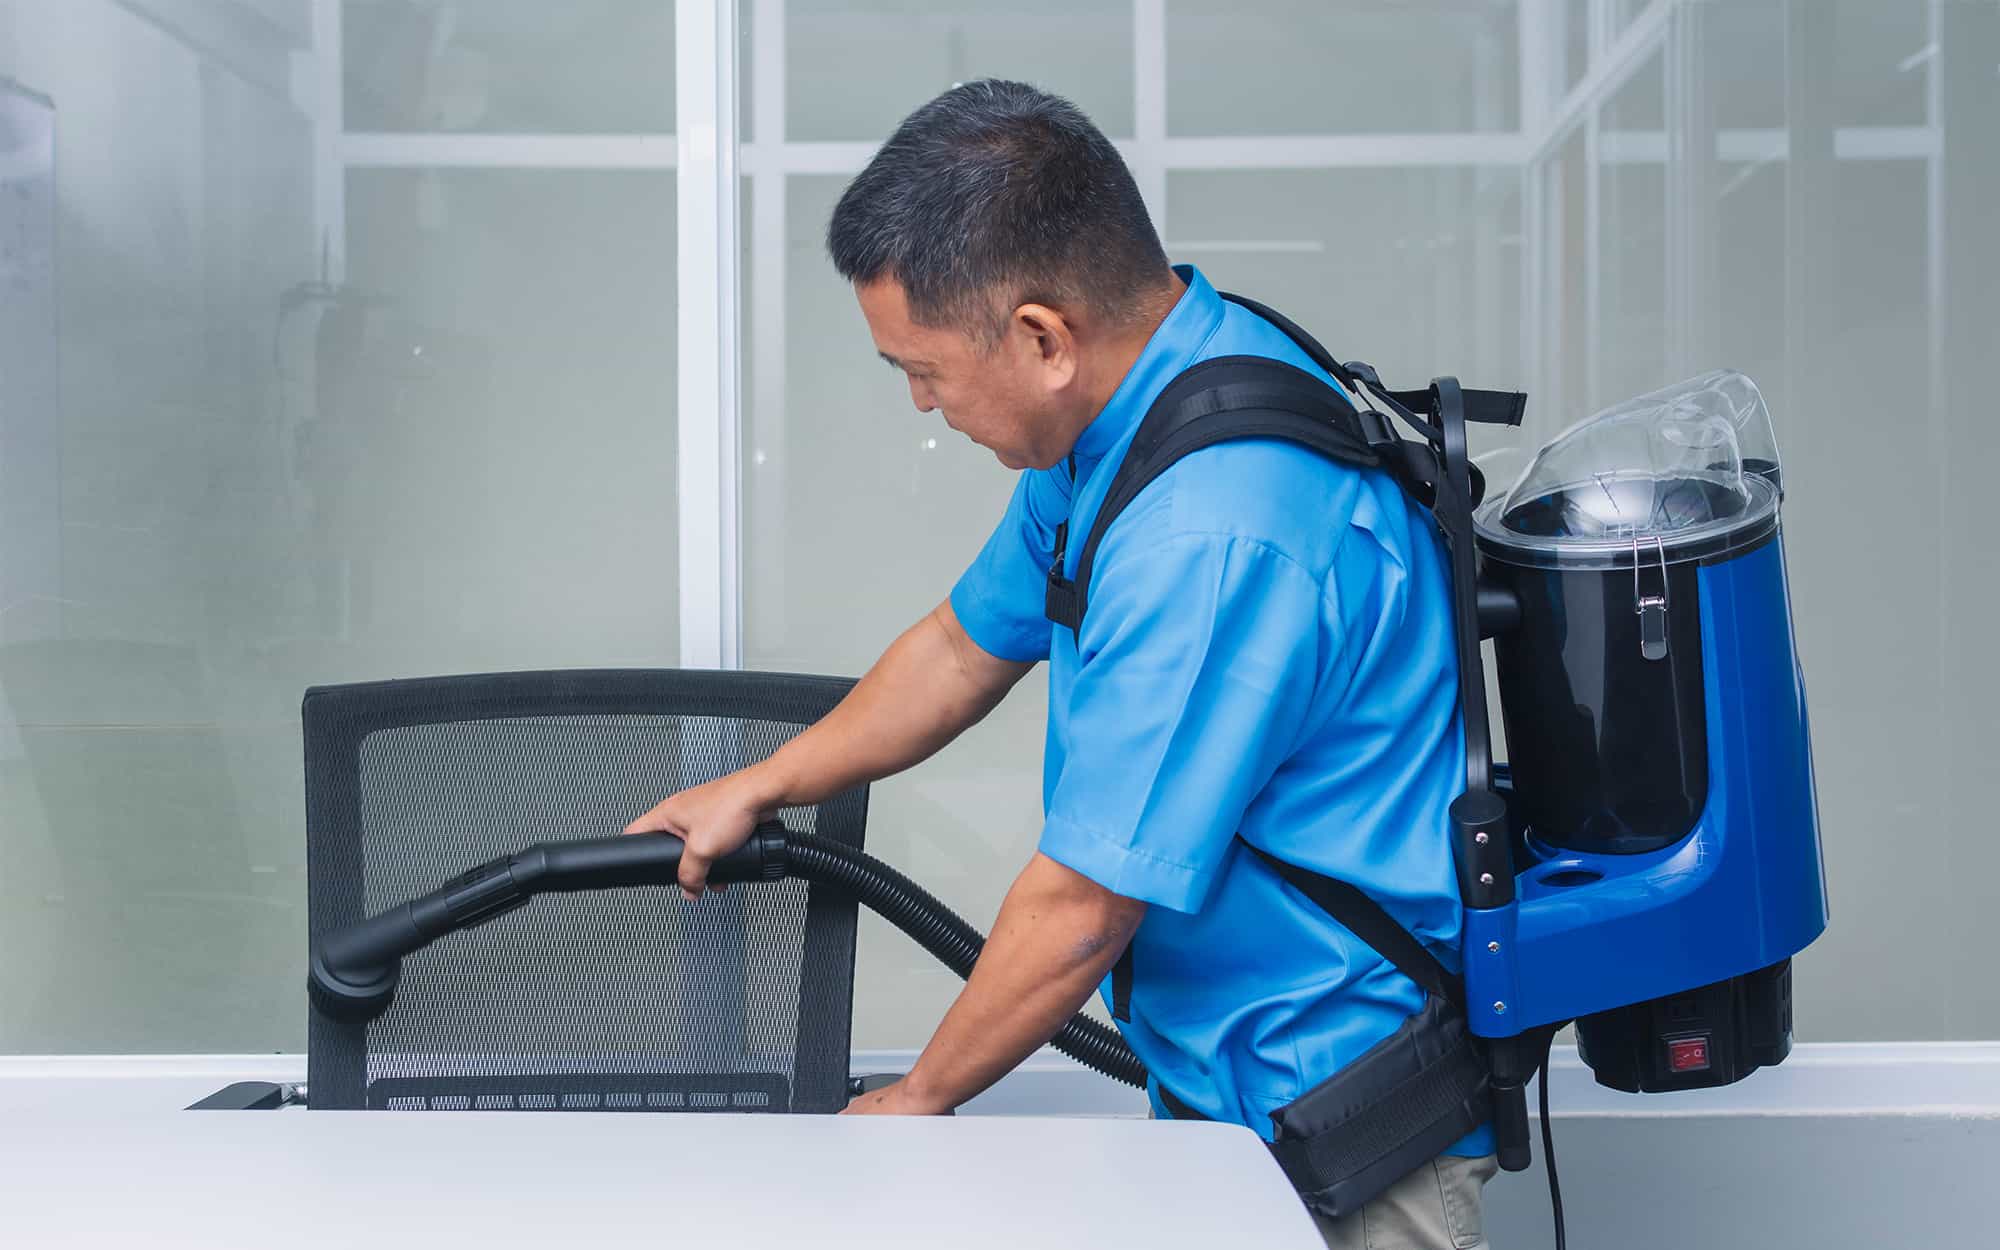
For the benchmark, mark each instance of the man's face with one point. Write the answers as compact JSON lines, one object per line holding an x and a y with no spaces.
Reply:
{"x":1008,"y":397}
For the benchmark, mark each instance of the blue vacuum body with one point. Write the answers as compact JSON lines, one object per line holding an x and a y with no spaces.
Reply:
{"x":1660,"y":785}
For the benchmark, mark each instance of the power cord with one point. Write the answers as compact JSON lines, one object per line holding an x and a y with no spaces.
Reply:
{"x":1549,"y":1156}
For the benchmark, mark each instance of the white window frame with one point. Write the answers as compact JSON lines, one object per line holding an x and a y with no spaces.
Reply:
{"x":708,"y":262}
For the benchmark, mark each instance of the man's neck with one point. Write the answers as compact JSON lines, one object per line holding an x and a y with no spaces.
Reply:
{"x":1122,"y":351}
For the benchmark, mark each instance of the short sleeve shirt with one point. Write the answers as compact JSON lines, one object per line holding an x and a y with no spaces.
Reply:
{"x":1267,"y":652}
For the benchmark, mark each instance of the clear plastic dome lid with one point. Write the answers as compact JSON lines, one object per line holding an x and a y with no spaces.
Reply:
{"x":1684,"y":472}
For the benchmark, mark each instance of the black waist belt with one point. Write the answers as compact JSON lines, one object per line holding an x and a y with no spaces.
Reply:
{"x":1400,"y":1105}
{"x":1406,"y":1100}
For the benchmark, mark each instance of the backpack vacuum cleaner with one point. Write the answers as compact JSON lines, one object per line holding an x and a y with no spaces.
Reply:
{"x":1669,"y":863}
{"x":1645,"y":867}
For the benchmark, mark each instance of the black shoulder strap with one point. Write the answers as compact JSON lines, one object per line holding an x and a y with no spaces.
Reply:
{"x":1364,"y":918}
{"x":1230,"y":397}
{"x":1481,"y":407}
{"x":1235,"y":397}
{"x":1354,"y":911}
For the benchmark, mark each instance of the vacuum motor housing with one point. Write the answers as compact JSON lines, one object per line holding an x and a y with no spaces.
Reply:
{"x":1658,"y":756}
{"x":1715,"y":1035}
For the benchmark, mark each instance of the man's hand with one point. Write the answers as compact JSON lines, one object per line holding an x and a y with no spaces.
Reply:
{"x":897,"y":1098}
{"x":930,"y":685}
{"x":712,"y":819}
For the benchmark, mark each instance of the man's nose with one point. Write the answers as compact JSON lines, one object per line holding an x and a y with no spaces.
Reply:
{"x":921,"y":396}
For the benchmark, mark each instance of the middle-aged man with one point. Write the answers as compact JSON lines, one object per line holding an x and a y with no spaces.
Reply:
{"x":1268,"y":652}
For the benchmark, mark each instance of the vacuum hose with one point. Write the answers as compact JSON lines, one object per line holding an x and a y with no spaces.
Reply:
{"x":354,"y":970}
{"x":939,"y":930}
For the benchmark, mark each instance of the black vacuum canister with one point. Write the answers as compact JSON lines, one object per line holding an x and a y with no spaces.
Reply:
{"x":1600,"y":545}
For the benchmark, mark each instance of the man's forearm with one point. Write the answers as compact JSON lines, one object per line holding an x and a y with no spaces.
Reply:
{"x":1055,"y":940}
{"x":931,"y":685}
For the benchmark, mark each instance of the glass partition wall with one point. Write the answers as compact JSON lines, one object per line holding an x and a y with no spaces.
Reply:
{"x":348,"y":339}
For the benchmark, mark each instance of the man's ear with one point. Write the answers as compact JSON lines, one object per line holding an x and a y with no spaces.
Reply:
{"x":1049,"y":337}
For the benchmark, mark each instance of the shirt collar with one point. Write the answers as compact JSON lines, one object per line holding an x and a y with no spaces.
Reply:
{"x":1173,"y":347}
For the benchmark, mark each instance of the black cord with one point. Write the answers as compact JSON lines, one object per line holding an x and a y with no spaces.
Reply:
{"x":1549,"y":1157}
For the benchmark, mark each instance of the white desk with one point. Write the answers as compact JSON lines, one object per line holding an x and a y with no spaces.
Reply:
{"x":112,"y":1163}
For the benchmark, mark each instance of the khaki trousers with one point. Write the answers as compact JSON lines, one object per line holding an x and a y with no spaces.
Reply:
{"x":1436,"y":1207}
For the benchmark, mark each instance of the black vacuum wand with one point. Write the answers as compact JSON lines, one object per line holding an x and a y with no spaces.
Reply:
{"x":354,"y":970}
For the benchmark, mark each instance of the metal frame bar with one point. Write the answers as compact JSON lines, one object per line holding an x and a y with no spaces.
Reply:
{"x":659,"y":151}
{"x":1934,"y":225}
{"x":328,"y":114}
{"x":1344,"y":151}
{"x":1148,"y":153}
{"x":768,"y":261}
{"x":1593,"y":262}
{"x":1757,"y":144}
{"x":709,"y":416}
{"x":506,"y":151}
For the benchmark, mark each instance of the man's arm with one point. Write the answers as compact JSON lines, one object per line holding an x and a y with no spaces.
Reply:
{"x":931,"y":685}
{"x":1057,"y":936}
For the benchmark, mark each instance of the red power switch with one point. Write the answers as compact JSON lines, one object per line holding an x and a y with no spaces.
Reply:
{"x":1687,"y":1054}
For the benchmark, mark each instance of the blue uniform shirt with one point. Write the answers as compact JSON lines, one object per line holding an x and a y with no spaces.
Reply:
{"x":1268,"y":650}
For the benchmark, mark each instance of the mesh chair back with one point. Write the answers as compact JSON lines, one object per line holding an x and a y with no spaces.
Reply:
{"x":628,"y":999}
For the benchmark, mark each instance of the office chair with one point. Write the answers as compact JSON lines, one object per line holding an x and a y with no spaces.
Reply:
{"x":615,"y":1000}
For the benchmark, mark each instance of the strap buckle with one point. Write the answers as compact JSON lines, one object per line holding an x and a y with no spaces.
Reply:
{"x":1364,"y":371}
{"x":1060,"y":602}
{"x":1376,"y":430}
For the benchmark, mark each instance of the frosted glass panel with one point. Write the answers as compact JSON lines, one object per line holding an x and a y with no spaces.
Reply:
{"x":1619,"y":14}
{"x":1304,"y":67}
{"x":1741,"y":64}
{"x":1877,"y":77}
{"x":30,"y":429}
{"x":1573,"y":42}
{"x":1631,"y":343}
{"x":854,"y":68}
{"x":511,"y":399}
{"x":1561,"y":367}
{"x":1792,"y":216}
{"x":249,"y":481}
{"x":1416,"y":271}
{"x":511,"y":66}
{"x":149,"y":792}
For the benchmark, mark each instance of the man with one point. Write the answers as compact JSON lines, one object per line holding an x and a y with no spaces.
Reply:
{"x":1267,"y":651}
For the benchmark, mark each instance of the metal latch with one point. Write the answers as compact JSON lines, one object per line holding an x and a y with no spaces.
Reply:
{"x":1652,"y":608}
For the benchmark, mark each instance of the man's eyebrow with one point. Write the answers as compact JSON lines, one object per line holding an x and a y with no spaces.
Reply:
{"x":904,"y":365}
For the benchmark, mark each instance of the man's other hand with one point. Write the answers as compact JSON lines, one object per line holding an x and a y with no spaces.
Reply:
{"x":896,"y":1098}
